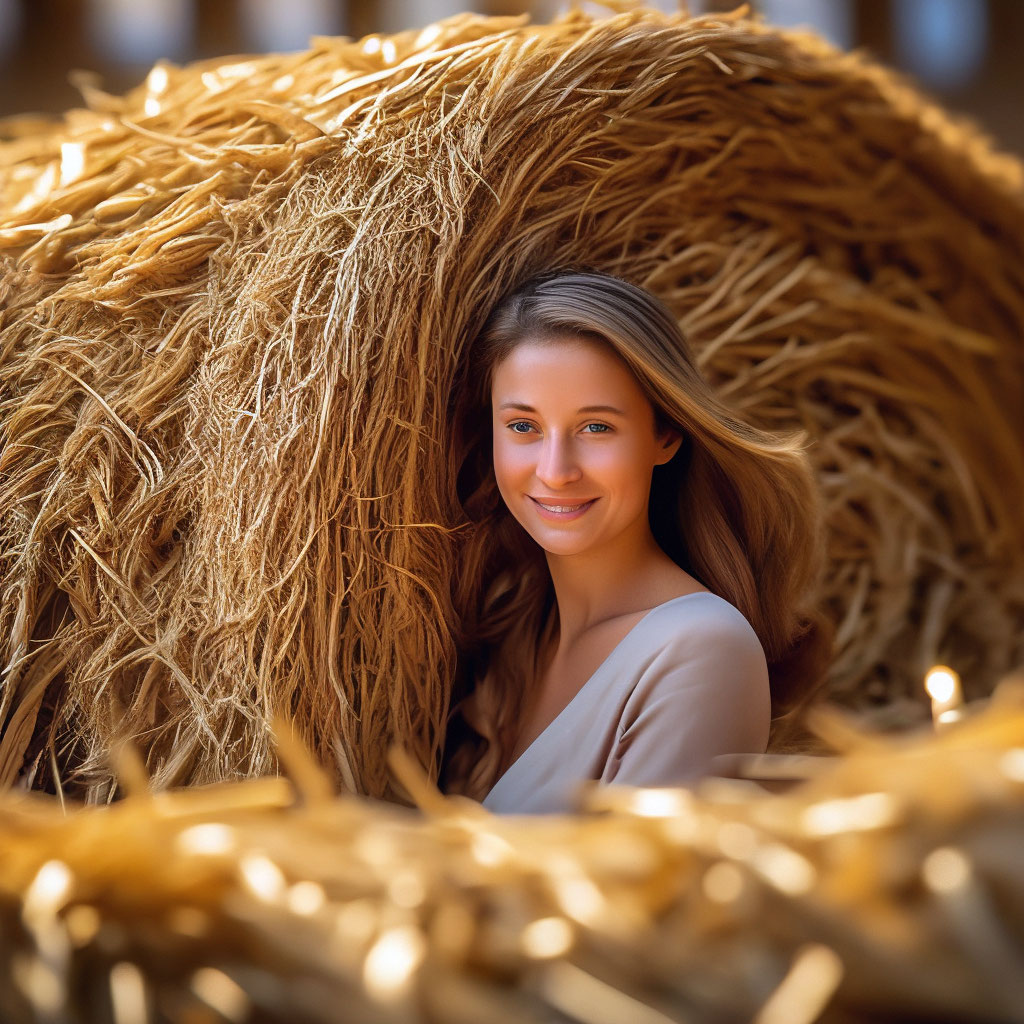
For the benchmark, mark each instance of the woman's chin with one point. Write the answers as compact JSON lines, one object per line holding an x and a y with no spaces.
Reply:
{"x":555,"y":545}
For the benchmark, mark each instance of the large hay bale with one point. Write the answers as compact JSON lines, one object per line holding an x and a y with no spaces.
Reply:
{"x":236,"y":299}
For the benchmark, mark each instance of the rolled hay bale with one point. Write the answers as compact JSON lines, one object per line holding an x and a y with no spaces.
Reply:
{"x":236,"y":301}
{"x":888,"y":888}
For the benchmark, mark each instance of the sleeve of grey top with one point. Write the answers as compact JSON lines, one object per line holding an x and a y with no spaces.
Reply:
{"x":705,"y":693}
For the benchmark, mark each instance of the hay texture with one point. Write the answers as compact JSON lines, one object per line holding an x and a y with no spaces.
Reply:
{"x":235,"y":301}
{"x":888,"y":888}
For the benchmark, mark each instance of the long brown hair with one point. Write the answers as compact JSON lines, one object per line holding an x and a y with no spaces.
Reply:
{"x":736,"y":507}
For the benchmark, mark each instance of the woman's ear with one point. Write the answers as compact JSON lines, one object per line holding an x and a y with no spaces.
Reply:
{"x":669,"y":441}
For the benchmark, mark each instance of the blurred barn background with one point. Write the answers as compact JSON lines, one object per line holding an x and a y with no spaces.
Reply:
{"x":965,"y":53}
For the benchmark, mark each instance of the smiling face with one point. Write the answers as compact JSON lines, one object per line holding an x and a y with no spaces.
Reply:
{"x":572,"y":427}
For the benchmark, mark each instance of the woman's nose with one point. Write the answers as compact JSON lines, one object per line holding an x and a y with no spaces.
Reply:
{"x":557,"y":462}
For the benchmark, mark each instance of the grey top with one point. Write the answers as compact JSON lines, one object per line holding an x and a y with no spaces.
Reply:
{"x":688,"y":682}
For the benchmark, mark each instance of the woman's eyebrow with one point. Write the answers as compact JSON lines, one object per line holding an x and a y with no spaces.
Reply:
{"x":523,"y":407}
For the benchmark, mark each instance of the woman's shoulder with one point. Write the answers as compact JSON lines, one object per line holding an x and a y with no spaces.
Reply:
{"x":701,"y":615}
{"x":699,"y":638}
{"x":704,"y":659}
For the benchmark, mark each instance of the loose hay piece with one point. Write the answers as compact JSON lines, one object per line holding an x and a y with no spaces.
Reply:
{"x":235,"y":299}
{"x":890,"y":887}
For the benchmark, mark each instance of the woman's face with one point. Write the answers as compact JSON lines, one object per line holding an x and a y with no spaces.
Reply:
{"x":553,"y":446}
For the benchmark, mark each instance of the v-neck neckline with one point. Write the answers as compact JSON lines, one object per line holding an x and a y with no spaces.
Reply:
{"x":592,"y":675}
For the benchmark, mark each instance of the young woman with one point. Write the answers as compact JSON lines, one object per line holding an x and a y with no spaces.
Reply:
{"x":635,"y":593}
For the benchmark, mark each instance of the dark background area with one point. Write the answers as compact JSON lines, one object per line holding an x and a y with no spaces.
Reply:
{"x":966,"y":54}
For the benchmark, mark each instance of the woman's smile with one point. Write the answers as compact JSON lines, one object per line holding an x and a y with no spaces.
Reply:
{"x":562,"y":511}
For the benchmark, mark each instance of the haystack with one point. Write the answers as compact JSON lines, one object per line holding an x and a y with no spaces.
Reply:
{"x":235,"y":301}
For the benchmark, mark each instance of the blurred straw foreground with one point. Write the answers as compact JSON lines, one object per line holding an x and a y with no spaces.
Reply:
{"x":235,"y":302}
{"x":889,"y":888}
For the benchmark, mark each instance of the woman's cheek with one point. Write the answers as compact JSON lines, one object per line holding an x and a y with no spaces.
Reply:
{"x":514,"y":460}
{"x":611,"y":460}
{"x":508,"y":467}
{"x":615,"y":467}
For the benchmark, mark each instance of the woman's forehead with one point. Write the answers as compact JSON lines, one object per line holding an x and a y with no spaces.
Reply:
{"x":562,"y":367}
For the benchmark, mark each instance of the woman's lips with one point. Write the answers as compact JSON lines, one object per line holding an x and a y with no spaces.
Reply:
{"x":561,"y":517}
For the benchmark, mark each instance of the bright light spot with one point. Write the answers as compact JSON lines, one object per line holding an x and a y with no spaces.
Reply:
{"x":1011,"y":764}
{"x":722,"y":882}
{"x":152,"y":106}
{"x":72,"y":161}
{"x":813,"y":977}
{"x":227,"y":74}
{"x":306,"y":898}
{"x":941,"y":683}
{"x":49,"y":889}
{"x":737,"y":840}
{"x":372,"y":44}
{"x":263,"y":877}
{"x":660,"y":803}
{"x":392,"y":960}
{"x":945,"y":869}
{"x":869,"y":810}
{"x":387,"y":51}
{"x":41,"y":187}
{"x":220,"y":993}
{"x":427,"y":36}
{"x":211,"y":839}
{"x":127,"y":993}
{"x":547,"y":937}
{"x":236,"y":72}
{"x":157,"y":79}
{"x":784,"y":868}
{"x":282,"y":84}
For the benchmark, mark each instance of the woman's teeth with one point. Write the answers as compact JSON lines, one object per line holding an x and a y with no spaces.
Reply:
{"x":562,"y":508}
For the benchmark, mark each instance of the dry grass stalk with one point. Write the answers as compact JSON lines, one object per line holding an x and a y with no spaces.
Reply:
{"x":890,"y":887}
{"x":234,"y":301}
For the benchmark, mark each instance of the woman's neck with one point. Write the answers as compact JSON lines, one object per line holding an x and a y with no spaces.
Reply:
{"x":593,"y":587}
